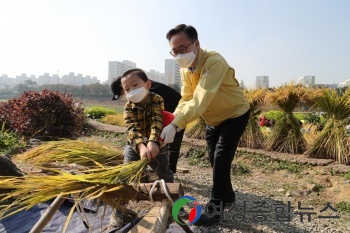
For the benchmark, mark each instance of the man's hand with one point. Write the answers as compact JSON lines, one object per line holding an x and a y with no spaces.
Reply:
{"x":168,"y":134}
{"x":153,"y":148}
{"x":144,"y":152}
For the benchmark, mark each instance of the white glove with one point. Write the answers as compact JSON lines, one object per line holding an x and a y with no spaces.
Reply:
{"x":168,"y":134}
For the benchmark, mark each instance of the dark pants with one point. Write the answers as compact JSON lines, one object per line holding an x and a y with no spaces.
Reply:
{"x":174,"y":150}
{"x":222,"y":143}
{"x":159,"y":164}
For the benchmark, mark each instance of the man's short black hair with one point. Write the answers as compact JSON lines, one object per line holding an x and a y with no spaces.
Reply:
{"x":189,"y":30}
{"x":116,"y":87}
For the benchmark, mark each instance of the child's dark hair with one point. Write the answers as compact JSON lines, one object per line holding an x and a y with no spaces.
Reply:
{"x":138,"y":72}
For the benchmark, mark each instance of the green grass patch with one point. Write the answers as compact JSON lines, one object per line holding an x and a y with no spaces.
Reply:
{"x":196,"y":156}
{"x":9,"y":140}
{"x":346,"y":175}
{"x":99,"y":112}
{"x":269,"y":165}
{"x":343,"y":206}
{"x":240,"y":169}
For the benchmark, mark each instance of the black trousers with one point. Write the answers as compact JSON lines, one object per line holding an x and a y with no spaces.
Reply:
{"x":222,"y":143}
{"x":174,"y":150}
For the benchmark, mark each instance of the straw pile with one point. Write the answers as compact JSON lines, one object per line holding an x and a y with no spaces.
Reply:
{"x":286,"y":135}
{"x":332,"y":142}
{"x":252,"y":136}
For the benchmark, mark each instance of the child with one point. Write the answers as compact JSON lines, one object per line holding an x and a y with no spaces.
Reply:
{"x":144,"y":122}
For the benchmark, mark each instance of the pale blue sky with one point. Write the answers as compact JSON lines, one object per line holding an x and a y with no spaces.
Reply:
{"x":283,"y":39}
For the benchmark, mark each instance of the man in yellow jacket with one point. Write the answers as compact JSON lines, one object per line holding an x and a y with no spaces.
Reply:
{"x":209,"y":89}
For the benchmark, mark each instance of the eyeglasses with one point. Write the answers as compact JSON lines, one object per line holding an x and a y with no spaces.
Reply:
{"x":180,"y":51}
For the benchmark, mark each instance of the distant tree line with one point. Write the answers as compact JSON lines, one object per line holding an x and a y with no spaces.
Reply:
{"x":91,"y":90}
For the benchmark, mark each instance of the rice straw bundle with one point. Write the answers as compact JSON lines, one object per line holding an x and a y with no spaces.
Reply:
{"x":286,"y":136}
{"x":99,"y":183}
{"x":332,"y":141}
{"x":85,"y":153}
{"x":252,"y":136}
{"x":197,"y":131}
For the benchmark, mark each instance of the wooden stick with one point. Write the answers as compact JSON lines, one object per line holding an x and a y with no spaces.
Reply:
{"x":155,"y":221}
{"x":162,"y":219}
{"x":46,"y":217}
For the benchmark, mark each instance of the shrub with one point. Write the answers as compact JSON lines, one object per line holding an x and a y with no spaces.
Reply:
{"x":114,"y":120}
{"x":45,"y":114}
{"x":274,"y":114}
{"x":99,"y":112}
{"x":8,"y":140}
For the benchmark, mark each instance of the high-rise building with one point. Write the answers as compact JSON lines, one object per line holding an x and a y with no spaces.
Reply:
{"x":117,"y":68}
{"x":47,"y":79}
{"x":346,"y":83}
{"x":155,"y":75}
{"x":307,"y":81}
{"x":78,"y":80}
{"x":262,"y":82}
{"x":172,"y":72}
{"x":6,"y":82}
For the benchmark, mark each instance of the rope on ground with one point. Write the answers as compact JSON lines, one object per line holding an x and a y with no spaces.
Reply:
{"x":164,"y":188}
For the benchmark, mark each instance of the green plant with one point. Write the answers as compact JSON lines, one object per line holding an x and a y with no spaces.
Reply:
{"x":318,"y":188}
{"x":343,"y":206}
{"x":240,"y":169}
{"x":98,"y":112}
{"x":346,"y":175}
{"x":8,"y":140}
{"x":291,"y":167}
{"x":273,"y":114}
{"x":45,"y":114}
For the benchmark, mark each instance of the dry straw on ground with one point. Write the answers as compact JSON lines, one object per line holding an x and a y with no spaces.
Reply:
{"x":109,"y":184}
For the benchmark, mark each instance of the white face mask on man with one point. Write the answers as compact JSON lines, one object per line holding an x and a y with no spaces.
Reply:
{"x":185,"y":60}
{"x":136,"y":95}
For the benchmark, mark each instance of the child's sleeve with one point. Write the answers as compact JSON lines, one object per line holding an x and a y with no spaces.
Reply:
{"x":132,"y":127}
{"x":157,"y":119}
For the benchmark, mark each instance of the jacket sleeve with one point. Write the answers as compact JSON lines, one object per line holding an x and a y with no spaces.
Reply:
{"x":157,"y":119}
{"x":132,"y":127}
{"x":209,"y":83}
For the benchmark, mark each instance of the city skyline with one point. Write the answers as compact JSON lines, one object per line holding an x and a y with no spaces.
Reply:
{"x":282,"y":39}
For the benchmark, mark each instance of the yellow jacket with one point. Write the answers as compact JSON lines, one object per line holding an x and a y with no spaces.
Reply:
{"x":211,"y":91}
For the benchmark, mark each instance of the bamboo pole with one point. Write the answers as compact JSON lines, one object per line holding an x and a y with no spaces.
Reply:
{"x":46,"y":217}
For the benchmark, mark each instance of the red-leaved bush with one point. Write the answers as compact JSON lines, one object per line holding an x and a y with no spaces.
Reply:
{"x":45,"y":114}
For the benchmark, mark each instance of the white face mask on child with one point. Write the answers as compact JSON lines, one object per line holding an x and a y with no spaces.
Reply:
{"x":136,"y":95}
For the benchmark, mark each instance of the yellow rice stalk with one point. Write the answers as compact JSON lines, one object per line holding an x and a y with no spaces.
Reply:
{"x":252,"y":136}
{"x":332,"y":142}
{"x":85,"y":153}
{"x":106,"y":184}
{"x":286,"y":136}
{"x":197,"y":131}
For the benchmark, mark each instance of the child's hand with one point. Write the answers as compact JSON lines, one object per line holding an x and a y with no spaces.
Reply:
{"x":144,"y":151}
{"x":153,"y":148}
